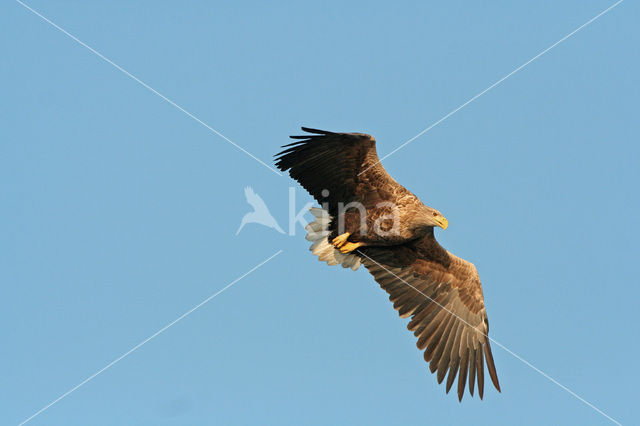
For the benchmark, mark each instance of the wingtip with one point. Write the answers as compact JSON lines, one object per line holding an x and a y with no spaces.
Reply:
{"x":491,"y":367}
{"x":316,"y":131}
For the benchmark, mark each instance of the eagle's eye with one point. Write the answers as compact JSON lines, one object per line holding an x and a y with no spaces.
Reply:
{"x":435,"y":213}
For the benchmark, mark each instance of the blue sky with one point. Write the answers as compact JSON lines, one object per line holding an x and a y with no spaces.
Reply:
{"x":119,"y":211}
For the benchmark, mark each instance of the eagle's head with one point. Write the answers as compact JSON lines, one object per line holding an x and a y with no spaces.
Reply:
{"x":431,"y":217}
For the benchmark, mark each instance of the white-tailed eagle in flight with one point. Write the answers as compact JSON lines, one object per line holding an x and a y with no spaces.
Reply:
{"x":368,"y":218}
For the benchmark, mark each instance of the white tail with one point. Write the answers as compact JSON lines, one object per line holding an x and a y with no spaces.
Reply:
{"x":318,"y":233}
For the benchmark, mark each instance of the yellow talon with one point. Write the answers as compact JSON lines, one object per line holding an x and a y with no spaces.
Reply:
{"x":349,"y":247}
{"x":340,"y":240}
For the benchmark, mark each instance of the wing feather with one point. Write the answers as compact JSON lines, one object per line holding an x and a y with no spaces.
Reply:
{"x":446,"y":362}
{"x":490,"y":365}
{"x":464,"y":368}
{"x":472,"y":369}
{"x":480,"y":372}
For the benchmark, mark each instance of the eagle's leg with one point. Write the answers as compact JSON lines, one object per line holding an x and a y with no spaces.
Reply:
{"x":349,"y":247}
{"x":340,"y":240}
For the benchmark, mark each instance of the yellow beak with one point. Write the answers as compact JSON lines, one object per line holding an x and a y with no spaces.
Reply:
{"x":442,"y":222}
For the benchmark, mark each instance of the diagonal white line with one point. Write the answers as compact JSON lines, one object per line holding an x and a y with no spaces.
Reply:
{"x":501,"y":345}
{"x":133,"y":77}
{"x":493,"y":85}
{"x":136,"y":347}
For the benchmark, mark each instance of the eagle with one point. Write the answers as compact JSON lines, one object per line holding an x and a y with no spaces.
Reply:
{"x":368,"y":218}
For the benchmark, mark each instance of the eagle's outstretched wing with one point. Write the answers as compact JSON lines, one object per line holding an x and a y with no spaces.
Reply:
{"x":443,"y":296}
{"x":344,"y":164}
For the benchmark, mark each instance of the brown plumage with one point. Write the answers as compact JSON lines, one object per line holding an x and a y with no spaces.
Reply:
{"x":393,"y":237}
